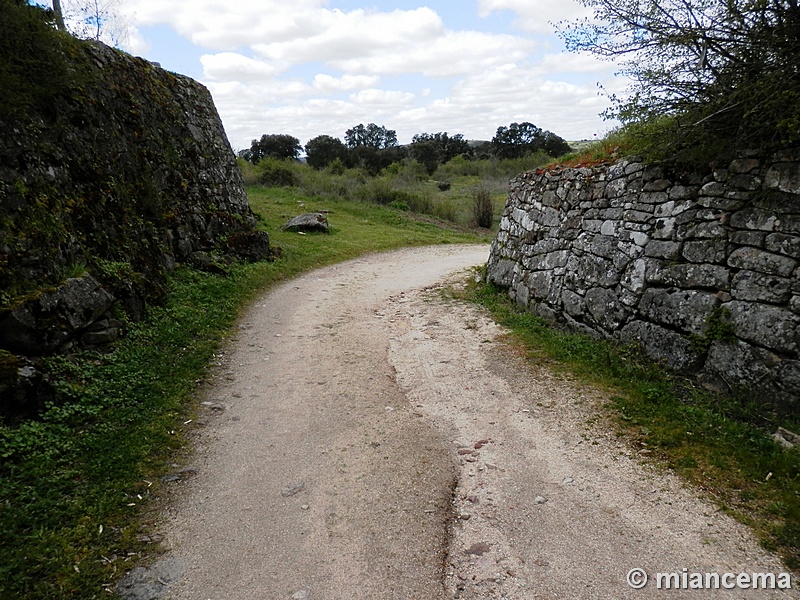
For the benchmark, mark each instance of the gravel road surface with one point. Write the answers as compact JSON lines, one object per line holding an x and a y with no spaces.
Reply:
{"x":365,"y":438}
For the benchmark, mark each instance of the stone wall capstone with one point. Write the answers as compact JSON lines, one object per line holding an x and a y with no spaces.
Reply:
{"x":699,"y":269}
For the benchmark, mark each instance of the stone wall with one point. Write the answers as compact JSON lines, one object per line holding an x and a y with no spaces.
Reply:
{"x":131,"y":166}
{"x":700,"y":269}
{"x":103,"y":191}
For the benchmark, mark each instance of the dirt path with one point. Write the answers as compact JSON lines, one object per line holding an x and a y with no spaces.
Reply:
{"x":366,"y":439}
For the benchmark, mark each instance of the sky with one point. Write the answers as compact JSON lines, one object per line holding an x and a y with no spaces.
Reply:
{"x":319,"y":67}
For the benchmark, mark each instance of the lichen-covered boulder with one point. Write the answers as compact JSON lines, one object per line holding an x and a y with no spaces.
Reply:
{"x":51,"y":318}
{"x":311,"y":222}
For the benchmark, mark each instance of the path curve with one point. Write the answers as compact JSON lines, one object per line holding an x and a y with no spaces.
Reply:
{"x":365,"y":438}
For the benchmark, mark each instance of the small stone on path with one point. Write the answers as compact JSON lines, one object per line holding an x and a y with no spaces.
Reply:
{"x":293,"y":489}
{"x":478,"y":548}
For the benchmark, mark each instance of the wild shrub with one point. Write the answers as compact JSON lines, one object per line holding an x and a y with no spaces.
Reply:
{"x":249,"y":174}
{"x":382,"y":191}
{"x":445,"y":209}
{"x":707,"y":78}
{"x":482,"y":208}
{"x":407,"y":172}
{"x":272,"y":172}
{"x":336,"y":167}
{"x":419,"y":203}
{"x":491,"y":168}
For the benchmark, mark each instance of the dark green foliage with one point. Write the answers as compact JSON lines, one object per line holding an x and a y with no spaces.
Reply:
{"x":33,"y":66}
{"x":371,"y":136}
{"x":280,"y":146}
{"x":373,"y":160}
{"x":523,"y":139}
{"x":324,"y":150}
{"x":273,"y":172}
{"x":436,"y":149}
{"x":372,"y":148}
{"x":709,"y":77}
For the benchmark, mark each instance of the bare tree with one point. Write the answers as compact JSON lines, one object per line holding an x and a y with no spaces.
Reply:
{"x":99,"y":20}
{"x":725,"y":68}
{"x":59,"y":15}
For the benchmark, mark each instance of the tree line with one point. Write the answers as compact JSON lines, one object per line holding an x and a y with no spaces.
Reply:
{"x":374,"y":147}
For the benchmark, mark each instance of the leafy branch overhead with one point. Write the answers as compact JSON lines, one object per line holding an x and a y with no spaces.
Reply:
{"x":719,"y":74}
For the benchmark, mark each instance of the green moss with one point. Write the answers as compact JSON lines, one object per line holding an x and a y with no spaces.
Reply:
{"x":33,"y":68}
{"x":718,"y":328}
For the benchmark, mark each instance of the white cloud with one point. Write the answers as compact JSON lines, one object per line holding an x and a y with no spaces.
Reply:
{"x":451,"y":54}
{"x":360,"y":35}
{"x":227,"y":66}
{"x":536,"y":16}
{"x":221,"y":25}
{"x":328,"y":84}
{"x":305,"y":69}
{"x":382,"y":98}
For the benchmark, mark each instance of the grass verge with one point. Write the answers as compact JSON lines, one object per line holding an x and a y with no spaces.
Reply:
{"x":75,"y":484}
{"x":720,"y":445}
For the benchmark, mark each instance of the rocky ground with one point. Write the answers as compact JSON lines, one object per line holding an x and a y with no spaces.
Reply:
{"x":366,"y":438}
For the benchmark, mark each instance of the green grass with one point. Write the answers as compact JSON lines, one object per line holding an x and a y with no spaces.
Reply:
{"x":719,"y":444}
{"x":356,"y":228}
{"x":77,"y":485}
{"x":407,"y":186}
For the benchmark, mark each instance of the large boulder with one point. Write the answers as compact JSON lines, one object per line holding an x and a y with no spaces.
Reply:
{"x":310,"y":222}
{"x":51,"y":318}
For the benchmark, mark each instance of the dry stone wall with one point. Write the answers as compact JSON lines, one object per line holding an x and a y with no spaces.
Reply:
{"x":699,"y":269}
{"x":102,"y":194}
{"x":132,"y":166}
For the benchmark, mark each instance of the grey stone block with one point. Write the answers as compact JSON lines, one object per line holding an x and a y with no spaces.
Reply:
{"x":768,"y":326}
{"x":663,"y":249}
{"x":604,"y":307}
{"x":686,"y":310}
{"x":754,"y":218}
{"x":705,"y":251}
{"x":760,"y":287}
{"x":784,"y":177}
{"x":691,"y":275}
{"x":756,"y":259}
{"x":783,"y":244}
{"x":666,"y":347}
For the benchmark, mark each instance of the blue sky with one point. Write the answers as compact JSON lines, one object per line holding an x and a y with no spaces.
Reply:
{"x":313,"y":67}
